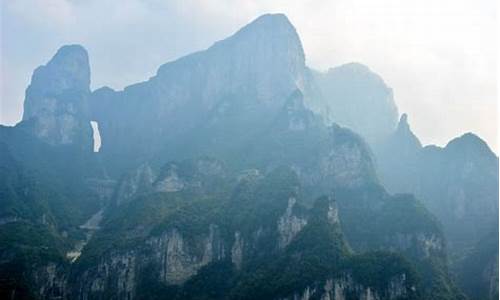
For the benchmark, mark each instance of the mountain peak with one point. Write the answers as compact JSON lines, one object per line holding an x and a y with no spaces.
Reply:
{"x":264,"y":59}
{"x":273,"y":21}
{"x":68,"y":69}
{"x":268,"y":35}
{"x":403,"y":123}
{"x":404,"y":134}
{"x":56,"y":98}
{"x":358,"y":71}
{"x":403,"y":119}
{"x":353,"y":67}
{"x":349,"y":90}
{"x":72,"y":60}
{"x":469,"y":142}
{"x":70,"y":53}
{"x":273,"y":32}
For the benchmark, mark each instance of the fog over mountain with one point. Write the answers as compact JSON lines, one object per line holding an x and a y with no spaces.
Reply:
{"x":435,"y":55}
{"x":239,"y":172}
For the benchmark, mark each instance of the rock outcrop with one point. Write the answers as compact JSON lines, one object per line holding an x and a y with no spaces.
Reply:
{"x":343,"y":288}
{"x":248,"y":74}
{"x":289,"y":225}
{"x":458,"y":183}
{"x":352,"y":95}
{"x":56,"y":105}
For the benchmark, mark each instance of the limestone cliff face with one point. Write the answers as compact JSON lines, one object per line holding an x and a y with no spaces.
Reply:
{"x":216,"y":102}
{"x":176,"y":254}
{"x":397,"y":158}
{"x":323,"y":156}
{"x":346,"y":288}
{"x":56,"y":99}
{"x":173,"y":253}
{"x":172,"y":177}
{"x":51,"y":280}
{"x":348,"y":163}
{"x":248,"y":74}
{"x":457,"y":183}
{"x":289,"y":225}
{"x":173,"y":258}
{"x":116,"y":272}
{"x":345,"y":162}
{"x":264,"y":58}
{"x":134,"y":183}
{"x":179,"y":260}
{"x":170,"y":181}
{"x":354,"y":96}
{"x":237,"y":250}
{"x":420,"y":245}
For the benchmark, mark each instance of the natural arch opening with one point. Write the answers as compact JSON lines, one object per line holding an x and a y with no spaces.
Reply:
{"x":96,"y":135}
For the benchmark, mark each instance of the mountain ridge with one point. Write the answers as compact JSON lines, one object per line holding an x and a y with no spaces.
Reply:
{"x":228,"y":162}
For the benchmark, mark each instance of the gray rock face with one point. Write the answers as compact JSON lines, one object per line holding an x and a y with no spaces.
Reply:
{"x":344,"y":160}
{"x":170,"y":182}
{"x":237,"y":250}
{"x":136,"y":182}
{"x":175,"y":259}
{"x":289,"y":224}
{"x":56,"y":99}
{"x":324,"y":157}
{"x":345,"y":165}
{"x":51,"y":280}
{"x":422,"y":245}
{"x":346,"y":288}
{"x":207,"y":100}
{"x":173,"y":177}
{"x":251,"y":72}
{"x":352,"y":95}
{"x":117,"y":272}
{"x":398,"y":158}
{"x":333,"y":213}
{"x":457,"y":183}
{"x":265,"y":58}
{"x":179,"y":260}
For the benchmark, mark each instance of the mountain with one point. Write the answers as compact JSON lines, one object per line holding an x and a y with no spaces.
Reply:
{"x":353,"y":96}
{"x":242,"y":79}
{"x":56,"y":100}
{"x":190,"y":234}
{"x":46,"y":192}
{"x":457,"y":183}
{"x":397,"y":158}
{"x":226,"y":88}
{"x":224,"y":176}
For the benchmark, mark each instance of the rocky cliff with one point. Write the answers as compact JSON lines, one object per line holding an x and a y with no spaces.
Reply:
{"x":353,"y":96}
{"x":56,"y":99}
{"x":458,"y":183}
{"x":290,"y":206}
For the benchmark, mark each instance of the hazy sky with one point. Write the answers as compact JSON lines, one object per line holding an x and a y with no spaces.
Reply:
{"x":439,"y":56}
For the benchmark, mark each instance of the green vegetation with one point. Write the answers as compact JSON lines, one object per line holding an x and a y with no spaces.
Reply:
{"x":24,"y":248}
{"x":479,"y":270}
{"x":370,"y":220}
